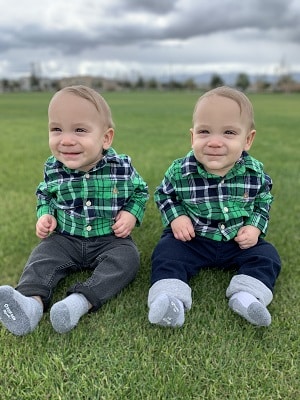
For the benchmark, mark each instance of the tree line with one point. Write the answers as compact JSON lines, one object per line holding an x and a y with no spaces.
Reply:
{"x":242,"y":81}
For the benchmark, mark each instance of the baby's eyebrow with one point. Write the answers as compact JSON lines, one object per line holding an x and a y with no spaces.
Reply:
{"x":202,"y":126}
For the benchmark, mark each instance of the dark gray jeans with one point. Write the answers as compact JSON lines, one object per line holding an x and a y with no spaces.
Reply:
{"x":113,"y":261}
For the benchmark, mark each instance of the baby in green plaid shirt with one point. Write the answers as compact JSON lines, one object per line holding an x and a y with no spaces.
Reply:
{"x":90,"y":200}
{"x":215,"y":204}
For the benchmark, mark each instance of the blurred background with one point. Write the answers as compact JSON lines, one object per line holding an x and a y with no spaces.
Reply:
{"x":125,"y":44}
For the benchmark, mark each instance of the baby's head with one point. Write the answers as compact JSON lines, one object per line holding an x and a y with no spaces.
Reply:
{"x":223,"y":127}
{"x":80,"y":127}
{"x":93,"y":97}
{"x":239,"y":97}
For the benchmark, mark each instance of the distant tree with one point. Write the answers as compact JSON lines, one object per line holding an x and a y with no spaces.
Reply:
{"x":262,"y":84}
{"x":5,"y":85}
{"x":242,"y":81}
{"x":216,"y":81}
{"x":285,"y":83}
{"x":140,"y":83}
{"x":152,"y":83}
{"x":126,"y":84}
{"x":190,"y":84}
{"x":98,"y":83}
{"x":174,"y":85}
{"x":55,"y":84}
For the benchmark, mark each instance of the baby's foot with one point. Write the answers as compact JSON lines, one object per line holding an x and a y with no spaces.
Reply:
{"x":18,"y":313}
{"x":166,"y":311}
{"x":65,"y":314}
{"x":250,"y":309}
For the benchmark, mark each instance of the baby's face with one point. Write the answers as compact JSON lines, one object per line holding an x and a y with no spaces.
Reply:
{"x":77,"y":135}
{"x":220,"y":134}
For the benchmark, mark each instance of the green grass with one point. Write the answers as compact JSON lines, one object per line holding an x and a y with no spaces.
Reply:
{"x":115,"y":353}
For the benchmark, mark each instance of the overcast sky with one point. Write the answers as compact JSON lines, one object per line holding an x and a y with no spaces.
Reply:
{"x":155,"y":38}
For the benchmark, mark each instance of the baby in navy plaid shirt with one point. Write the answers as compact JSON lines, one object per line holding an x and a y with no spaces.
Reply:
{"x":215,"y":204}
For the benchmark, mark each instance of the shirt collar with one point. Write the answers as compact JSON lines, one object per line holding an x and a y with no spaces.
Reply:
{"x":109,"y":156}
{"x":190,"y":165}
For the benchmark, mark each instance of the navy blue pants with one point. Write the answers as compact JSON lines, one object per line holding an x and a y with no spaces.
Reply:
{"x":174,"y":259}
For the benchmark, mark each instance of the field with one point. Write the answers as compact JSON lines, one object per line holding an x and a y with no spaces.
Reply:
{"x":116,"y":354}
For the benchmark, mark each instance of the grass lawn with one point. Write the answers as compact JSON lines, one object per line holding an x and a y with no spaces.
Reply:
{"x":115,"y":353}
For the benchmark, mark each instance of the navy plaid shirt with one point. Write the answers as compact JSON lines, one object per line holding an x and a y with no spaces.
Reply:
{"x":218,"y":206}
{"x":86,"y":203}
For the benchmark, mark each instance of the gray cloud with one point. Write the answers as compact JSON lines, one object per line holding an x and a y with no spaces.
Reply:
{"x":211,"y":17}
{"x":157,"y":7}
{"x":183,"y":31}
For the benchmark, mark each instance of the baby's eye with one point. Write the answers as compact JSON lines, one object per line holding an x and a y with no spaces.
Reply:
{"x":203,"y":132}
{"x":80,"y":130}
{"x":55,"y":129}
{"x":229,"y":132}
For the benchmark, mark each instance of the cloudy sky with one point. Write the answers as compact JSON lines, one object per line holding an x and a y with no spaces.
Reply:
{"x":155,"y":38}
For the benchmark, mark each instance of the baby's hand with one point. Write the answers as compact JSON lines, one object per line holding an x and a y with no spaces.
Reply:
{"x":124,"y":224}
{"x":182,"y":228}
{"x":247,"y":236}
{"x":45,"y":225}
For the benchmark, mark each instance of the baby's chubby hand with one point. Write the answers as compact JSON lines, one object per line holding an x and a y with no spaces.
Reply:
{"x":247,"y":236}
{"x":182,"y":228}
{"x":125,"y":222}
{"x":45,"y":225}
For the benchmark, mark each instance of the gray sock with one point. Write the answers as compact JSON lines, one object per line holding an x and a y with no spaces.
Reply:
{"x":18,"y":313}
{"x":166,"y":311}
{"x":65,"y":314}
{"x":256,"y":313}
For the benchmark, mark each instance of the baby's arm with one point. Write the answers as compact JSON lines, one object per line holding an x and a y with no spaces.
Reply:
{"x":45,"y":225}
{"x":257,"y":222}
{"x":125,"y":222}
{"x":182,"y":228}
{"x":247,"y":236}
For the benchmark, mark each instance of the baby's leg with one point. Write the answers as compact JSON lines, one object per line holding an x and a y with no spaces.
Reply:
{"x":167,"y":301}
{"x":115,"y":265}
{"x":249,"y":298}
{"x":251,"y":290}
{"x":19,"y":314}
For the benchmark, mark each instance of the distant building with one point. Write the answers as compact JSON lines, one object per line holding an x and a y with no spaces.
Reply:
{"x":96,"y":83}
{"x":25,"y":83}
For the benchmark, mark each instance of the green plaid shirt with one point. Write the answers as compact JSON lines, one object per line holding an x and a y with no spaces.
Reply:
{"x":86,"y":203}
{"x":217,"y":206}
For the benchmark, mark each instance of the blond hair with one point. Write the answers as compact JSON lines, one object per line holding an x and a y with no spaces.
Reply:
{"x":95,"y":98}
{"x":239,"y":97}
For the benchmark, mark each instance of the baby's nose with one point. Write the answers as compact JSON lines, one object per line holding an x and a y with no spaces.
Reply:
{"x":67,"y":139}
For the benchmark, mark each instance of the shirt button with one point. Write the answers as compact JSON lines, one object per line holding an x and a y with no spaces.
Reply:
{"x":88,"y":203}
{"x":87,"y":176}
{"x":225,"y":209}
{"x":222,"y":227}
{"x":89,"y":228}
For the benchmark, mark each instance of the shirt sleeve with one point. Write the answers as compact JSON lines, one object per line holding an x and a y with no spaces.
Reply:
{"x":136,"y":203}
{"x":44,"y":197}
{"x":262,"y":205}
{"x":166,"y":198}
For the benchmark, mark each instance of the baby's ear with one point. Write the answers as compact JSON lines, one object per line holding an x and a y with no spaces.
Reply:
{"x":192,"y":133}
{"x":249,"y":140}
{"x":108,"y":138}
